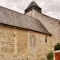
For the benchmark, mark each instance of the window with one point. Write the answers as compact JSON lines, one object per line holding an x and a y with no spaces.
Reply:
{"x":32,"y":40}
{"x":45,"y":39}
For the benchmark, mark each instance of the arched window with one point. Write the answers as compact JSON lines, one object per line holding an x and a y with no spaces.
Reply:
{"x":32,"y":40}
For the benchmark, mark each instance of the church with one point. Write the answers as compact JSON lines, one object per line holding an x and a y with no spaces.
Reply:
{"x":28,"y":36}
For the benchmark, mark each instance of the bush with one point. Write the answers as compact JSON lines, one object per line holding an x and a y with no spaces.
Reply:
{"x":57,"y":46}
{"x":50,"y":56}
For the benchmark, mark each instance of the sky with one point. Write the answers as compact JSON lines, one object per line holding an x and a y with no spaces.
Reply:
{"x":49,"y":7}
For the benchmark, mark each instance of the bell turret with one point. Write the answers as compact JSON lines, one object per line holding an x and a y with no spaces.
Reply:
{"x":32,"y":6}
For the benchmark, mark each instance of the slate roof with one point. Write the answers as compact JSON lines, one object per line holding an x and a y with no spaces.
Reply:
{"x":32,"y":4}
{"x":17,"y":19}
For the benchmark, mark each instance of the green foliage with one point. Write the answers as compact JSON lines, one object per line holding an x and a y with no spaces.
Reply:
{"x":57,"y":46}
{"x":50,"y":56}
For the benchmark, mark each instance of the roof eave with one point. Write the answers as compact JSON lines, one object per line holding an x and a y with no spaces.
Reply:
{"x":28,"y":29}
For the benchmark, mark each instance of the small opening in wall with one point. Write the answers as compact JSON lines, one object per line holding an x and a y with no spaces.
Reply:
{"x":14,"y":35}
{"x":45,"y":39}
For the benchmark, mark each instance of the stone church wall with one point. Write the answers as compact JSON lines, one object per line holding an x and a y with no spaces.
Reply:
{"x":13,"y":43}
{"x":21,"y":44}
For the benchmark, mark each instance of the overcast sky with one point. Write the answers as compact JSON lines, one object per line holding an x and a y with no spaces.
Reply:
{"x":49,"y":7}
